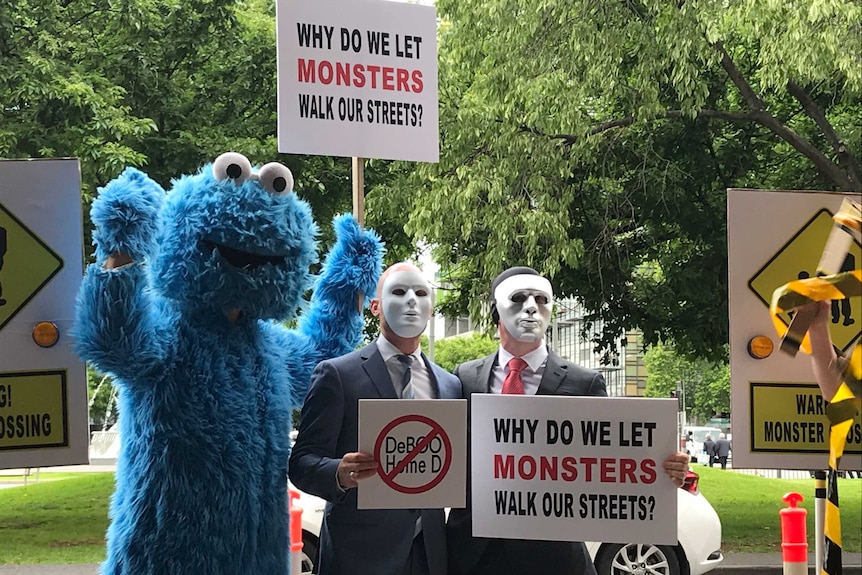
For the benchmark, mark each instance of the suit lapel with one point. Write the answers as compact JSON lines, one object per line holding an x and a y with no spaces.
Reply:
{"x":552,"y":378}
{"x":375,"y":368}
{"x":432,"y":376}
{"x":482,"y":383}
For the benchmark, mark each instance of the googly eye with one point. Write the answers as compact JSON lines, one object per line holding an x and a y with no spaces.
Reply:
{"x":275,"y":178}
{"x":232,"y":166}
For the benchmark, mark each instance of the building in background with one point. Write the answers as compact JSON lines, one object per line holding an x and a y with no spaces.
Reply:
{"x":624,"y":371}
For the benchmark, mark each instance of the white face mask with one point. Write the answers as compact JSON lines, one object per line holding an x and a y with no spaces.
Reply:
{"x":524,"y":303}
{"x":406,"y":302}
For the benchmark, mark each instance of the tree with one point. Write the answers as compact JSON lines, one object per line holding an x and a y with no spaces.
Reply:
{"x":594,"y":141}
{"x":166,"y":87}
{"x":705,"y":385}
{"x":452,"y":351}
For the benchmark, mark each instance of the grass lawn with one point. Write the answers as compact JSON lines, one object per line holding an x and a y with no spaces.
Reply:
{"x":63,"y":518}
{"x":748,"y":507}
{"x":56,"y":521}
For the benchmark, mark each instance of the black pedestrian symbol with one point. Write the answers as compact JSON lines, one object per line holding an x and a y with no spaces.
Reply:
{"x":2,"y":253}
{"x":844,"y":304}
{"x":840,"y":307}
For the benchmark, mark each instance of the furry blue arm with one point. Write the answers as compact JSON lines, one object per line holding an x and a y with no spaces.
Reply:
{"x":114,"y":324}
{"x":114,"y":321}
{"x":332,"y":324}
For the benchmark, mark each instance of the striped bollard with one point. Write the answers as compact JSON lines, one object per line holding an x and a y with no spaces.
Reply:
{"x":295,"y":534}
{"x":794,"y":542}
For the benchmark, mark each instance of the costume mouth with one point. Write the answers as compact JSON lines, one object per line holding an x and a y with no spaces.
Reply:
{"x":240,"y":259}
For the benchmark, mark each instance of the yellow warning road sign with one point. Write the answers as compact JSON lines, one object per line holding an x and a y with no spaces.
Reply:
{"x":27,"y":264}
{"x":33,"y":410}
{"x":791,"y":418}
{"x":798,"y":259}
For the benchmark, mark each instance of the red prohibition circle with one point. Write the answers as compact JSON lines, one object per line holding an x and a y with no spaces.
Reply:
{"x":436,"y":430}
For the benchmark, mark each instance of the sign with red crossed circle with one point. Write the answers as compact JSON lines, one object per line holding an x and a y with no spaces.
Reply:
{"x":420,"y":449}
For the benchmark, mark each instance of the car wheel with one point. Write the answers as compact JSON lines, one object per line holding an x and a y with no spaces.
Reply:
{"x":637,"y":559}
{"x":309,"y":552}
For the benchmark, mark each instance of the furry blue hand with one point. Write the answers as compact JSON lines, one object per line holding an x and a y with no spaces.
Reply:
{"x":361,"y":251}
{"x":126,"y":216}
{"x":333,"y":322}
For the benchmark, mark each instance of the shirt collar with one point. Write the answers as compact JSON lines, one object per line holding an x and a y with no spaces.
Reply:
{"x":388,"y":350}
{"x":535,"y":359}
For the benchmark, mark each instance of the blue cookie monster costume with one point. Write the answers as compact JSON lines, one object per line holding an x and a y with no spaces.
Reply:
{"x":187,"y":321}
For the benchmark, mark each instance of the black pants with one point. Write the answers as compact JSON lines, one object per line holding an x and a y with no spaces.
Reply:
{"x":517,"y":557}
{"x":417,"y":561}
{"x":723,"y":460}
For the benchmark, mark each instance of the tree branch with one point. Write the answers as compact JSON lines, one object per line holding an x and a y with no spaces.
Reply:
{"x":845,"y":156}
{"x":827,"y":167}
{"x":571,"y":139}
{"x":848,"y":178}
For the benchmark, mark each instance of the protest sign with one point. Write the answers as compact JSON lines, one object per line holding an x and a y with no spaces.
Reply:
{"x":573,"y":468}
{"x":421,"y":450}
{"x":357,"y":78}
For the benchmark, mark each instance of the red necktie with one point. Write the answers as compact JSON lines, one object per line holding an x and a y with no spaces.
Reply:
{"x":513,"y":384}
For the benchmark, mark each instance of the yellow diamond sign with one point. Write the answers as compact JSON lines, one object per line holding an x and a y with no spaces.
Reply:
{"x":798,"y":259}
{"x":27,"y":264}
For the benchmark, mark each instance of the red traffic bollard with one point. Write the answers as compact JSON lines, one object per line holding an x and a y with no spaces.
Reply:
{"x":794,"y":542}
{"x":295,"y":533}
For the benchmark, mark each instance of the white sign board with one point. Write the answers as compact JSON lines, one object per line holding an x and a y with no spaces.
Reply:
{"x":357,"y":78}
{"x":573,"y":468}
{"x":774,"y":237}
{"x":43,"y":390}
{"x":420,"y":446}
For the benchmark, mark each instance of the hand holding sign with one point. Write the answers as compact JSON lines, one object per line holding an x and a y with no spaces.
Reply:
{"x":354,"y":467}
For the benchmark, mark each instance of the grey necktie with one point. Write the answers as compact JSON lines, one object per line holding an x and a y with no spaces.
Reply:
{"x":406,"y":389}
{"x":407,"y":393}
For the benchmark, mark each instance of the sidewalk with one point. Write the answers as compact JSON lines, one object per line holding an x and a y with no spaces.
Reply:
{"x":771,"y":564}
{"x":733,"y":564}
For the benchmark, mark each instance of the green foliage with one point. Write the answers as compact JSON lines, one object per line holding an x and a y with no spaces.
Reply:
{"x":452,"y":351}
{"x":163,"y":86}
{"x":706,"y":385}
{"x":594,"y":141}
{"x":102,"y":398}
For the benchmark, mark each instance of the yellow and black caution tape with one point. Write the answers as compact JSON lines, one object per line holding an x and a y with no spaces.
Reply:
{"x":799,"y":293}
{"x":847,"y":402}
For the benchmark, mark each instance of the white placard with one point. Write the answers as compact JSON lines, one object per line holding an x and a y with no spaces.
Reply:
{"x":43,"y":390}
{"x":777,"y":411}
{"x":421,"y":449}
{"x":357,"y":78}
{"x":573,"y":468}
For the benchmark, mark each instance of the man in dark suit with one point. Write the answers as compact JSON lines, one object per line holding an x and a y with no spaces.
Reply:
{"x":709,"y":448}
{"x":325,"y":460}
{"x":722,"y":450}
{"x":521,"y":304}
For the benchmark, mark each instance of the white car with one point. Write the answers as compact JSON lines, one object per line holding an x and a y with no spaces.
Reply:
{"x":698,"y":532}
{"x":694,"y":438}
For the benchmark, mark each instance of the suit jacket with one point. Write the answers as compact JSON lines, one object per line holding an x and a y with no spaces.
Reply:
{"x":722,"y":447}
{"x":560,"y":377}
{"x":708,"y":447}
{"x":354,"y":541}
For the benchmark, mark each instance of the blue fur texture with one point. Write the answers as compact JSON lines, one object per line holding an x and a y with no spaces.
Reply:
{"x":205,"y":402}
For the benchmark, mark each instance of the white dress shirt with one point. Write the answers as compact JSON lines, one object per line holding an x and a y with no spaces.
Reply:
{"x":531,"y":375}
{"x":420,"y":379}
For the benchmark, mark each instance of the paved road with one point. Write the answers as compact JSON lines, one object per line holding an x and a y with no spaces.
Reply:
{"x":734,"y":564}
